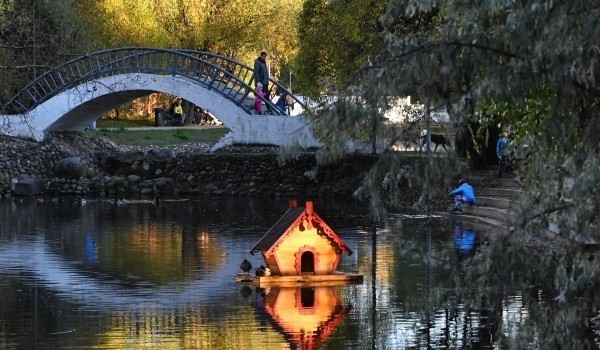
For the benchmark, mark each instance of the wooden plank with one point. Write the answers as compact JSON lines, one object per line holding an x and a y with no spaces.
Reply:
{"x":335,"y":279}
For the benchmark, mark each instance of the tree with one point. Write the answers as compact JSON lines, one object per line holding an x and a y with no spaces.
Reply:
{"x":233,"y":28}
{"x":37,"y":35}
{"x":67,"y":29}
{"x":530,"y":66}
{"x":337,"y":37}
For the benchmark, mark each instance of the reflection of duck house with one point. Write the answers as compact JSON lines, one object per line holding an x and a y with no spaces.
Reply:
{"x":307,"y":317}
{"x":301,"y":249}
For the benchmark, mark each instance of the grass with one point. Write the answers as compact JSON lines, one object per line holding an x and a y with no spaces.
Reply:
{"x":158,"y":136}
{"x":124,"y":123}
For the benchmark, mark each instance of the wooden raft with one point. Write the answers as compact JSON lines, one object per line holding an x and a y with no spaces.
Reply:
{"x":335,"y":279}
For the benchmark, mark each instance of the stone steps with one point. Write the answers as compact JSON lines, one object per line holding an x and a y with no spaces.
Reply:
{"x":486,"y":212}
{"x":498,"y":192}
{"x":498,"y":214}
{"x":497,"y":202}
{"x":507,"y":183}
{"x":481,"y":222}
{"x":492,"y":205}
{"x":493,"y":209}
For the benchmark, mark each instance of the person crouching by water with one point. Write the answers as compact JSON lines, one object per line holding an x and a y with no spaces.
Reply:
{"x":463,"y":194}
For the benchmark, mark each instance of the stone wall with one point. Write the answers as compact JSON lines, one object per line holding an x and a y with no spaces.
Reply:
{"x":109,"y":172}
{"x":22,"y":159}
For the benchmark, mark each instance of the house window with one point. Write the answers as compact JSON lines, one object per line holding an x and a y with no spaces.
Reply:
{"x":307,"y":262}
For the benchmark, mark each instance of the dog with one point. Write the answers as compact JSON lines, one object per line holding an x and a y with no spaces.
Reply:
{"x":438,"y":140}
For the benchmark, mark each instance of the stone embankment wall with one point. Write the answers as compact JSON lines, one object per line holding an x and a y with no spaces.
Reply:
{"x":106,"y":171}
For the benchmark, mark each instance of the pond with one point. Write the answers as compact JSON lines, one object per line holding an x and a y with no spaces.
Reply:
{"x":137,"y":275}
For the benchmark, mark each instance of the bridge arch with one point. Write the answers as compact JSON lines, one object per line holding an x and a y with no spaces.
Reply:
{"x":80,"y":91}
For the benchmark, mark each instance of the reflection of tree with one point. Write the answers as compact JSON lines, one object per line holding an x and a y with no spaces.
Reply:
{"x":144,"y":252}
{"x":150,"y":252}
{"x":31,"y":316}
{"x":188,"y":328}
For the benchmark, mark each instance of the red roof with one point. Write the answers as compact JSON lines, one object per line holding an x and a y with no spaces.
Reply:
{"x":291,"y":219}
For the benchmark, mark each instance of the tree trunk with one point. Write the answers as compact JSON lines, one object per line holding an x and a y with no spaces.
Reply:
{"x":493,"y":135}
{"x":462,"y":140}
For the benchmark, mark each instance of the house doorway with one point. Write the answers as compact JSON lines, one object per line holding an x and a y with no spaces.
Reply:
{"x":307,"y":262}
{"x":307,"y":297}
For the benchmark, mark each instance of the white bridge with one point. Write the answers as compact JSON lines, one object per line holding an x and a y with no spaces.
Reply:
{"x":77,"y":93}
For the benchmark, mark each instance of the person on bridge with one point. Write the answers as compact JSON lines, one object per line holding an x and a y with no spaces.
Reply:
{"x":281,"y":102}
{"x":285,"y":101}
{"x":463,"y":194}
{"x":258,"y":99}
{"x":261,"y":73}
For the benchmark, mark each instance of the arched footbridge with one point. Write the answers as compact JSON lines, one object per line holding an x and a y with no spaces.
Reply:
{"x":77,"y":93}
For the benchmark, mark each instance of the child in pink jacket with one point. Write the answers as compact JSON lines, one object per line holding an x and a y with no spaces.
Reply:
{"x":258,"y":102}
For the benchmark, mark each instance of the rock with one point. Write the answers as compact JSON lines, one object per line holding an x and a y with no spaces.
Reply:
{"x":101,"y":155}
{"x":161,"y":153}
{"x":28,"y":187}
{"x":69,"y":168}
{"x":146,"y":191}
{"x":133,"y":179}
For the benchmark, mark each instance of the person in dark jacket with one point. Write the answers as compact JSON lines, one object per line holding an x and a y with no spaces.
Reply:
{"x":463,"y":194}
{"x":261,"y":73}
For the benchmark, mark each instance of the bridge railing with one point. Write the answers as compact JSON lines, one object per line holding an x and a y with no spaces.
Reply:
{"x":243,"y":71}
{"x":227,"y":77}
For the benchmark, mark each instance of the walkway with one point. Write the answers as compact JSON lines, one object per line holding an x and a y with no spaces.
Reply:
{"x":185,"y":127}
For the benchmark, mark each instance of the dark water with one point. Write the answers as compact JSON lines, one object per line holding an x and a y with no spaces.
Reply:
{"x":138,"y":276}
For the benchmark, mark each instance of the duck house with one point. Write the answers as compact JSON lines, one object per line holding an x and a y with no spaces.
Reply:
{"x":303,"y":248}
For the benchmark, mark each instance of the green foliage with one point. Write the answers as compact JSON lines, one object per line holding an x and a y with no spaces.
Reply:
{"x":234,"y":28}
{"x":63,"y":30}
{"x":336,"y":38}
{"x":38,"y":35}
{"x":527,"y":66}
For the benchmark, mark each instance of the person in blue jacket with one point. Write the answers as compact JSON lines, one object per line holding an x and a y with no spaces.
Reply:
{"x":281,"y":102}
{"x":503,"y":151}
{"x":463,"y":194}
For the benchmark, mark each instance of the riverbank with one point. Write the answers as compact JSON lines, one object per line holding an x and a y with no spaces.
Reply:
{"x":74,"y":164}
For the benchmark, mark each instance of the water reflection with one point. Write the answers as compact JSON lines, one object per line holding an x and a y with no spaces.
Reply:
{"x":306,"y":316}
{"x":141,"y":276}
{"x":463,"y":238}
